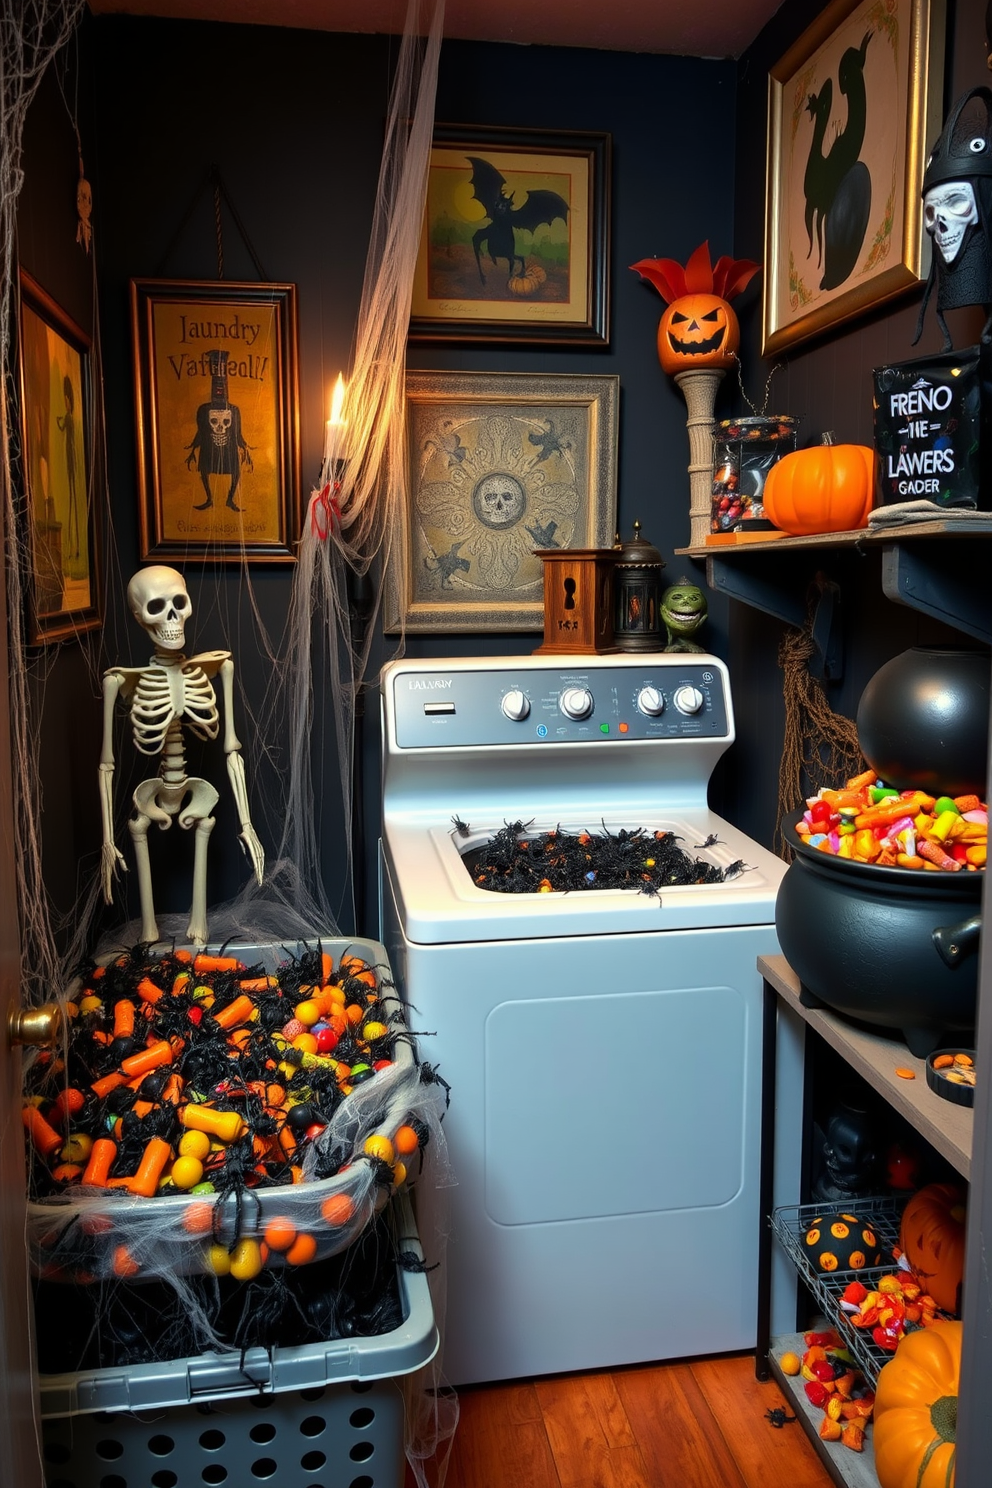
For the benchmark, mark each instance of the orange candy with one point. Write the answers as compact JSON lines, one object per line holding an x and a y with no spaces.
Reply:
{"x":337,"y":1209}
{"x":198,"y":1219}
{"x":405,"y":1140}
{"x":280,"y":1233}
{"x":124,"y":1263}
{"x":302,"y":1250}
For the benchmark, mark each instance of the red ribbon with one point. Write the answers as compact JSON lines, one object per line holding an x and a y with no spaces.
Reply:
{"x":325,"y":512}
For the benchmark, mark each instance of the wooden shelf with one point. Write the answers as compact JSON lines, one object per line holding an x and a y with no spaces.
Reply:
{"x":921,"y":567}
{"x":947,"y":1127}
{"x":874,"y":537}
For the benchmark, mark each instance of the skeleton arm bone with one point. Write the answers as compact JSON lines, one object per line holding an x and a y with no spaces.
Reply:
{"x":111,"y":859}
{"x":236,"y":773}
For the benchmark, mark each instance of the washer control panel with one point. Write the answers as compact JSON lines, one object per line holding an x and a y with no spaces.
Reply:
{"x":450,"y":708}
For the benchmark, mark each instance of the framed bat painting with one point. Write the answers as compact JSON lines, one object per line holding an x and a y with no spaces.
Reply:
{"x":515,"y":241}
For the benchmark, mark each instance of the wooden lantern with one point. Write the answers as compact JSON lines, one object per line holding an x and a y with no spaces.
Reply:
{"x":578,"y":600}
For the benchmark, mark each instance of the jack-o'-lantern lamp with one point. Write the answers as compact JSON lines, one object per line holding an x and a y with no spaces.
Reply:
{"x":699,"y":328}
{"x":698,"y":339}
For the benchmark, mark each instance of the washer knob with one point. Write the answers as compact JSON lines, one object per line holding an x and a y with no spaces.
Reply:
{"x":576,"y":702}
{"x":515,"y":705}
{"x":688,"y":699}
{"x":650,"y":701}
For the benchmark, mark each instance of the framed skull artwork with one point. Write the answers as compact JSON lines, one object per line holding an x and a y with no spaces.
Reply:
{"x":216,"y":390}
{"x":500,"y":465}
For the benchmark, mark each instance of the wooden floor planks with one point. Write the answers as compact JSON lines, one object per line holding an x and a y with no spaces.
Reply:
{"x":701,"y":1423}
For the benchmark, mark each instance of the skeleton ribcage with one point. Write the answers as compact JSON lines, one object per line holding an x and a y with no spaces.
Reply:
{"x":162,"y":697}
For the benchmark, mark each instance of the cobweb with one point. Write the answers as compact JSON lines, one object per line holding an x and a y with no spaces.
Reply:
{"x":357,"y":514}
{"x":31,"y":34}
{"x":355,"y":517}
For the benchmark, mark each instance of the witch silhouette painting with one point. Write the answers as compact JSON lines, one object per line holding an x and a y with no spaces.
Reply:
{"x":837,"y":182}
{"x":838,"y":167}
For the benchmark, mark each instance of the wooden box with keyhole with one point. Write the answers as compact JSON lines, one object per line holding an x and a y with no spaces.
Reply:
{"x":578,"y":600}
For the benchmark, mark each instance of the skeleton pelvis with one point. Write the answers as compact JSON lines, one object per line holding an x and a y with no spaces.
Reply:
{"x":160,"y":801}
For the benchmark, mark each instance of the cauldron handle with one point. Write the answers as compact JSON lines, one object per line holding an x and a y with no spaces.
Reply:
{"x":955,"y":942}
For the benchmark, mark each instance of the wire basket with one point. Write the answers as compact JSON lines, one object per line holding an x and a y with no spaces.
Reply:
{"x":789,"y":1225}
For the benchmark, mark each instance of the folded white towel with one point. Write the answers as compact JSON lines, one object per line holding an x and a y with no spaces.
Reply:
{"x":901,"y":513}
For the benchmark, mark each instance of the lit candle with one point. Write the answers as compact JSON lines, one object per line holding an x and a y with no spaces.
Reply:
{"x":334,"y":435}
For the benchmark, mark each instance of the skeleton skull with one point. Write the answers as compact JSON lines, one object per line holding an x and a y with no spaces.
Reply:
{"x":161,"y":605}
{"x":220,"y":425}
{"x":948,"y":211}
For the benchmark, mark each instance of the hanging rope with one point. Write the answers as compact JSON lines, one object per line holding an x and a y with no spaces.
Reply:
{"x":820,"y":746}
{"x":213,"y":180}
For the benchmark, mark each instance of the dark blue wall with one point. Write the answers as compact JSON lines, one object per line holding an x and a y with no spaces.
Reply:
{"x":294,"y":122}
{"x":827,"y":384}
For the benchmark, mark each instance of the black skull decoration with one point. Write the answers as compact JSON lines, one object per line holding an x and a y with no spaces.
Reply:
{"x":957,"y":211}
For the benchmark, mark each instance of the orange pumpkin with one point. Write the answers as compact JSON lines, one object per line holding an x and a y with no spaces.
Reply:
{"x":698,"y":330}
{"x":916,"y":1410}
{"x":825,"y":489}
{"x":932,"y":1237}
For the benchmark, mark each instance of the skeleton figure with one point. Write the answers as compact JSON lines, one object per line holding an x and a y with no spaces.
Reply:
{"x":218,"y":447}
{"x":169,"y":694}
{"x":957,"y":212}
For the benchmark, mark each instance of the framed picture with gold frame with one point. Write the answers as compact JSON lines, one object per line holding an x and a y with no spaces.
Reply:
{"x":515,"y":244}
{"x":853,"y":108}
{"x":56,"y":459}
{"x":217,"y":406}
{"x":500,"y":465}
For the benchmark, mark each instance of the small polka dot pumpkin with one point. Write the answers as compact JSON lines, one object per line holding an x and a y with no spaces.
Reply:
{"x":841,"y":1242}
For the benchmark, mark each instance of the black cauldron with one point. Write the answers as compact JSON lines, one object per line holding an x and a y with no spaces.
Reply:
{"x":923,"y":720}
{"x":893,"y":947}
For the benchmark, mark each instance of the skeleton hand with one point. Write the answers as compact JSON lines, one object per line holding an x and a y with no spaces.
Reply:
{"x":111,"y":863}
{"x":253,"y":850}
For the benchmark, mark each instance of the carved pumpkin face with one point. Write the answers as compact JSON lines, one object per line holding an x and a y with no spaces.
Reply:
{"x":698,"y":330}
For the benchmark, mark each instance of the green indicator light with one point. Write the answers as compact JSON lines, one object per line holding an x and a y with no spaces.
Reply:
{"x":604,"y":728}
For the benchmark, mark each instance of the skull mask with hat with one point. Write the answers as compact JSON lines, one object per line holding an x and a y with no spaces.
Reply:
{"x":957,"y":211}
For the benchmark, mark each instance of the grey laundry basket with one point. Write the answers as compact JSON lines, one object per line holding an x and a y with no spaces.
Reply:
{"x":325,"y":1415}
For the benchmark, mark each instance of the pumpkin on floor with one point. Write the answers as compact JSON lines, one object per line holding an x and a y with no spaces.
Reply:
{"x":916,"y":1410}
{"x":932,"y":1237}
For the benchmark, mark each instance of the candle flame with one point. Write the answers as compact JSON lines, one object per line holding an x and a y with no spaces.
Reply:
{"x":337,"y":401}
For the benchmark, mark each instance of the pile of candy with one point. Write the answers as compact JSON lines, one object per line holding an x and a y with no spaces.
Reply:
{"x":869,"y":822}
{"x":896,"y":1302}
{"x":205,"y":1081}
{"x":835,"y":1385}
{"x":516,"y":861}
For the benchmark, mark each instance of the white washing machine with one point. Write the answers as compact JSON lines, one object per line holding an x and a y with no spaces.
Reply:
{"x":603,"y":1047}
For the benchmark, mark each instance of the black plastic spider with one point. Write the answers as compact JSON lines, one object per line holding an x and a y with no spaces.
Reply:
{"x":778,"y":1416}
